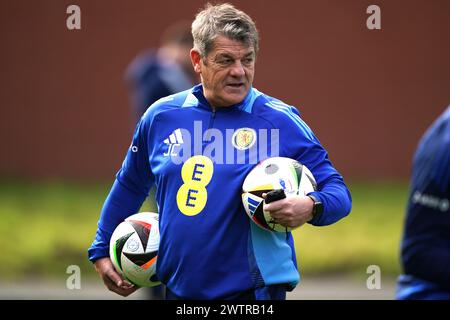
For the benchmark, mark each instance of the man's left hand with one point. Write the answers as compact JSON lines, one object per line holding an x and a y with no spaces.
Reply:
{"x":292,"y":211}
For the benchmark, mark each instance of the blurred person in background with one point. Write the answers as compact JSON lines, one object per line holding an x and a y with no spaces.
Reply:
{"x":160,"y":72}
{"x":425,"y":249}
{"x":157,"y":73}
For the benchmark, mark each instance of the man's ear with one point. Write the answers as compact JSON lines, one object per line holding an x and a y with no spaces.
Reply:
{"x":196,"y":60}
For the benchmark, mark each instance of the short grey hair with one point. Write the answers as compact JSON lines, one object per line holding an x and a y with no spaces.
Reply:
{"x":223,"y":20}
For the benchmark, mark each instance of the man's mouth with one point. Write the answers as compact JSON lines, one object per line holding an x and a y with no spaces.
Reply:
{"x":235,"y":85}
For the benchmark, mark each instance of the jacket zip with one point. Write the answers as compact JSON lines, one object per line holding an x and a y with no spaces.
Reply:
{"x":211,"y":125}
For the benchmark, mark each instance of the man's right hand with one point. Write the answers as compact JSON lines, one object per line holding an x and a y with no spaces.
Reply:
{"x":113,"y":280}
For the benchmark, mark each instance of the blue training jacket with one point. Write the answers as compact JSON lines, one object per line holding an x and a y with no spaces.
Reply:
{"x":198,"y":158}
{"x":425,"y":249}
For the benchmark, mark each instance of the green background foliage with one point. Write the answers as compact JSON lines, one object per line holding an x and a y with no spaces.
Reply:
{"x":47,"y":226}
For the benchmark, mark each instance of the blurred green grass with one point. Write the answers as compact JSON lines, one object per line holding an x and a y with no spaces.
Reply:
{"x":370,"y":235}
{"x":47,"y":226}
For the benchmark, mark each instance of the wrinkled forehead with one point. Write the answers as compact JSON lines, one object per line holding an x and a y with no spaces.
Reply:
{"x":225,"y":46}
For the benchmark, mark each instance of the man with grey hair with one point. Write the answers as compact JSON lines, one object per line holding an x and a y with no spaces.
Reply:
{"x":197,"y":147}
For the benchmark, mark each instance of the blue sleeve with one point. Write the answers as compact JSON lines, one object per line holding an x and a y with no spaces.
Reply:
{"x":429,"y":263}
{"x":425,"y":251}
{"x":131,"y":187}
{"x":299,"y":142}
{"x":426,"y":242}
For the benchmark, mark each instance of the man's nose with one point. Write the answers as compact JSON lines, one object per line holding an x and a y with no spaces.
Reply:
{"x":237,"y":69}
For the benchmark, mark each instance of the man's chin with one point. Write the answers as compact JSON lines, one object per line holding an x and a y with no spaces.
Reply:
{"x":230,"y":101}
{"x":233,"y":98}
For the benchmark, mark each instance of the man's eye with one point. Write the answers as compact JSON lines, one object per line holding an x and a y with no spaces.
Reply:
{"x":225,"y":61}
{"x":248,"y":60}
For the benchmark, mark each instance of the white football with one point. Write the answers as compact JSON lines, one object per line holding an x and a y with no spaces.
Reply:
{"x":271,"y":174}
{"x":134,"y":247}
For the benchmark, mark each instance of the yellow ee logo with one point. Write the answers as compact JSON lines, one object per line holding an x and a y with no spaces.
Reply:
{"x":196,"y":173}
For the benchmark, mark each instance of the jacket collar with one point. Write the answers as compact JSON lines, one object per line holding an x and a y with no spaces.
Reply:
{"x":197,"y":91}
